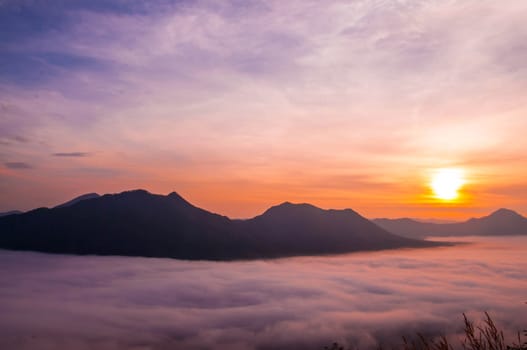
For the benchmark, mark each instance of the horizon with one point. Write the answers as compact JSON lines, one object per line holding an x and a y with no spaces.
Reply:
{"x":410,"y":109}
{"x":429,"y":220}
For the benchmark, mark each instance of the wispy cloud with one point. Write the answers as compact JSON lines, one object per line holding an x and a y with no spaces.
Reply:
{"x":17,"y":165}
{"x":71,"y":154}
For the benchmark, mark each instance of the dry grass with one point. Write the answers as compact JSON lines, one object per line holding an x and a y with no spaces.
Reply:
{"x":484,"y":337}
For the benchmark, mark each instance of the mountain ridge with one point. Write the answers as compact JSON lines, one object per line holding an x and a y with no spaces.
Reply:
{"x":78,"y":199}
{"x":500,"y":222}
{"x":138,"y":223}
{"x":10,"y":212}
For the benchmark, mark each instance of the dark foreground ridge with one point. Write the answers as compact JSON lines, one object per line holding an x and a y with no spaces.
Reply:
{"x":11,"y":212}
{"x":138,"y":223}
{"x":502,"y":222}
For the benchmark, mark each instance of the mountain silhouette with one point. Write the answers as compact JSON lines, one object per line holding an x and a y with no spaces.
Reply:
{"x":11,"y":212}
{"x":305,"y":229}
{"x":502,"y":222}
{"x":138,"y":223}
{"x":67,"y":204}
{"x":78,"y":199}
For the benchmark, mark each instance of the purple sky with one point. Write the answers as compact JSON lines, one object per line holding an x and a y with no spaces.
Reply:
{"x":239,"y":105}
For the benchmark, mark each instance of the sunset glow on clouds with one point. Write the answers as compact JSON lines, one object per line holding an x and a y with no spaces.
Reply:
{"x":243,"y":104}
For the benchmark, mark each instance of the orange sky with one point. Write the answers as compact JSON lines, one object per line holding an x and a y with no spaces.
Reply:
{"x":339,"y":105}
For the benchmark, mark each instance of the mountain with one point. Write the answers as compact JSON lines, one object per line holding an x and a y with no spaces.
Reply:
{"x":500,"y":223}
{"x":78,"y":199}
{"x":406,"y":227}
{"x":12,"y":212}
{"x":436,"y":221}
{"x":138,"y":223}
{"x":133,"y":223}
{"x":295,"y":229}
{"x":67,"y":204}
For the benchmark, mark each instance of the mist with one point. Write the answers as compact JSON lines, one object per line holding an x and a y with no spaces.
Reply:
{"x":361,"y":300}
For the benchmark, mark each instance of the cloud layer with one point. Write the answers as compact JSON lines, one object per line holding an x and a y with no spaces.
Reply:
{"x":57,"y":302}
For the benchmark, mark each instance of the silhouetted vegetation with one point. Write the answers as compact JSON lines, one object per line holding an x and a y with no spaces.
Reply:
{"x":484,"y":337}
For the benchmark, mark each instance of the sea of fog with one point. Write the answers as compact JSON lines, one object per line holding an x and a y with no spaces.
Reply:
{"x":87,"y":302}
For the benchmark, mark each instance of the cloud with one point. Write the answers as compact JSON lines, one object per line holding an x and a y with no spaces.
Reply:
{"x":57,"y":301}
{"x":71,"y":154}
{"x":17,"y":165}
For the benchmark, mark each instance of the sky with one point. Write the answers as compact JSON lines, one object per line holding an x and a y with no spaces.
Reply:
{"x":108,"y":303}
{"x":240,"y":105}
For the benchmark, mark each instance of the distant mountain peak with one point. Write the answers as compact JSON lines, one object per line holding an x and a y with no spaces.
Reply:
{"x":175,"y":195}
{"x":402,"y":220}
{"x":138,"y":191}
{"x":288,"y":207}
{"x":501,"y":222}
{"x":504,"y":212}
{"x":295,"y":205}
{"x":141,"y":194}
{"x":78,"y":199}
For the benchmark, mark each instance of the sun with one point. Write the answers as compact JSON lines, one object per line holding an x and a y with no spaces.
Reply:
{"x":446,"y":183}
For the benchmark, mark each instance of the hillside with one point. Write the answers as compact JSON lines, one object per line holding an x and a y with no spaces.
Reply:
{"x":138,"y":223}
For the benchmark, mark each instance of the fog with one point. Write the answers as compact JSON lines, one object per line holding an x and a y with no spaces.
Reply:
{"x":361,"y":300}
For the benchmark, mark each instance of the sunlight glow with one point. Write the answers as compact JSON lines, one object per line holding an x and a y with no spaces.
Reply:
{"x":446,"y":183}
